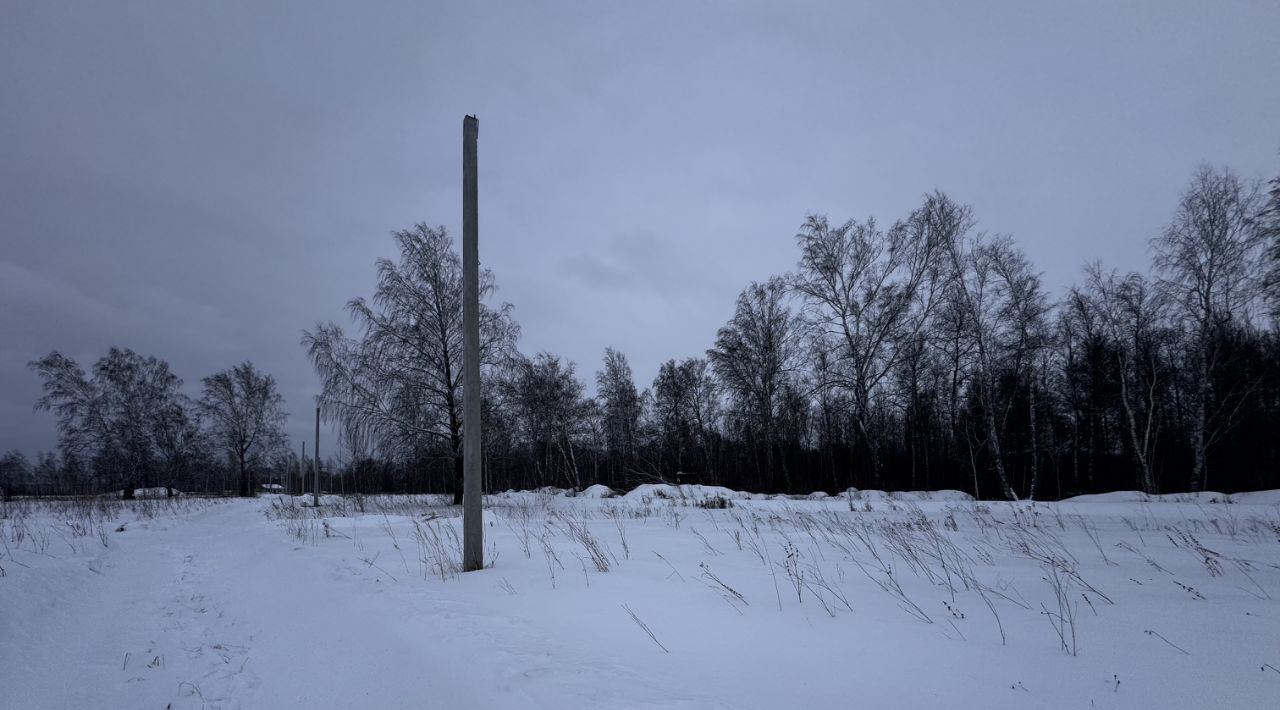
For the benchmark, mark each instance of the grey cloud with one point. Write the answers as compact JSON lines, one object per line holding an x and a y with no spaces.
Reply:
{"x":202,"y":181}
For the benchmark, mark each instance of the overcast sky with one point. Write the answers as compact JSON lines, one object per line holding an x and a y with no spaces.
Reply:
{"x":202,"y":181}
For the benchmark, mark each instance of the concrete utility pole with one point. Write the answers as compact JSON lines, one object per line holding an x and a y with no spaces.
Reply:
{"x":472,"y":523}
{"x":315,"y":464}
{"x":302,"y":472}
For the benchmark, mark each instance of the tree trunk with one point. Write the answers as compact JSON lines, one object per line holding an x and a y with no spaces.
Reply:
{"x":1199,"y":464}
{"x":873,"y":451}
{"x":246,"y":486}
{"x":993,"y":441}
{"x":1139,"y":447}
{"x":1199,"y":443}
{"x":455,"y":464}
{"x":973,"y":465}
{"x":1035,"y":457}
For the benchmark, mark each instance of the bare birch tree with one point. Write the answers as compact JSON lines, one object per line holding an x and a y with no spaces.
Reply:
{"x":1210,"y":256}
{"x":1269,"y":224}
{"x":620,"y":403}
{"x":246,"y":417}
{"x":755,"y":354}
{"x":974,"y":291}
{"x":1133,"y":313}
{"x":552,"y":415}
{"x":121,"y":419}
{"x":1023,"y":335}
{"x":398,"y":386}
{"x":871,"y":291}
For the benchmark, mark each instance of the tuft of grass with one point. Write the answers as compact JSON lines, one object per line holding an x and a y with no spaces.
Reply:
{"x":645,"y":627}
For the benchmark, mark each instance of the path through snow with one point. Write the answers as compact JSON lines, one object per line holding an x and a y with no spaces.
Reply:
{"x":220,"y":609}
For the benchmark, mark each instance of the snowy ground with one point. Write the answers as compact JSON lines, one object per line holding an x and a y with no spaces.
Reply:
{"x":644,"y":601}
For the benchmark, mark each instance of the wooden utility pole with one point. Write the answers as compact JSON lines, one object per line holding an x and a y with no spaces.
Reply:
{"x":302,"y":472}
{"x":315,"y":464}
{"x":472,"y":525}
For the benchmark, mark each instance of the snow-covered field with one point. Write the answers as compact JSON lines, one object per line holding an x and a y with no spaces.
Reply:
{"x":645,"y":601}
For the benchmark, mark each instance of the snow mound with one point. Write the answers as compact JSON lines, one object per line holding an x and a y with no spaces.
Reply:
{"x":651,"y":490}
{"x":155,"y":492}
{"x":701,"y":492}
{"x":1201,"y":497}
{"x":688,"y":493}
{"x":944,"y":496}
{"x":1112,"y":497}
{"x":818,"y":495}
{"x":597,"y":491}
{"x":950,"y":496}
{"x":1257,"y":497}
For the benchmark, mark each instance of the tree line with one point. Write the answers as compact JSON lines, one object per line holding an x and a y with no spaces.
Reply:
{"x":921,"y":354}
{"x":126,"y":424}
